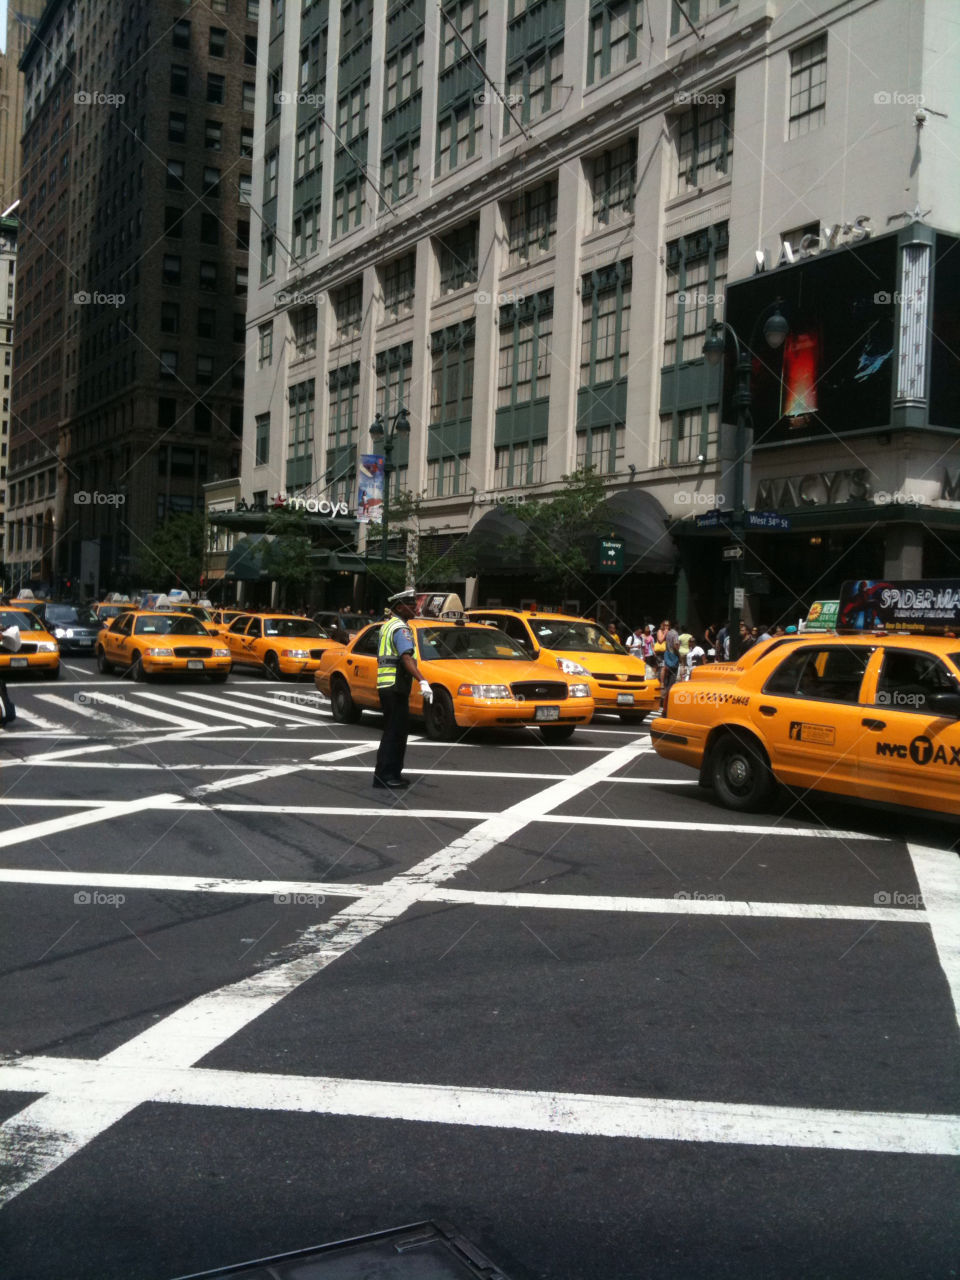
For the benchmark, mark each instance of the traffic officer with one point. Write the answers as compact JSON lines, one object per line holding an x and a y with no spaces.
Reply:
{"x":396,"y":671}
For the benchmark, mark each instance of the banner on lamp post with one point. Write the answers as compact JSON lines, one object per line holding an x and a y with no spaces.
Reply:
{"x":370,"y":489}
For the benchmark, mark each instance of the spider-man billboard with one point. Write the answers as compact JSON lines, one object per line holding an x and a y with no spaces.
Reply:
{"x":833,"y":374}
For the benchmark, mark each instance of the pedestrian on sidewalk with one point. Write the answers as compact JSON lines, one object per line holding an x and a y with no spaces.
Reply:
{"x":671,"y":656}
{"x":396,"y":670}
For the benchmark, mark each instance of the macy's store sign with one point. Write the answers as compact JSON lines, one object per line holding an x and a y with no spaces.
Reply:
{"x":816,"y":488}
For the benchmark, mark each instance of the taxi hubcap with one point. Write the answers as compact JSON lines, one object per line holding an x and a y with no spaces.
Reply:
{"x":738,"y":772}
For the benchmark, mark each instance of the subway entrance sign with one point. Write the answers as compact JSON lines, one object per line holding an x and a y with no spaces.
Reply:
{"x":609,"y":556}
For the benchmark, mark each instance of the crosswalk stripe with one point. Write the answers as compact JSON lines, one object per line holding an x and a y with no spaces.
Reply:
{"x":180,"y":721}
{"x":84,"y":709}
{"x":295,"y":714}
{"x":32,"y":718}
{"x":205,"y":698}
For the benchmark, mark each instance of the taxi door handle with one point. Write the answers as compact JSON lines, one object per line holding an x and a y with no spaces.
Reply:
{"x":875,"y":725}
{"x":768,"y":711}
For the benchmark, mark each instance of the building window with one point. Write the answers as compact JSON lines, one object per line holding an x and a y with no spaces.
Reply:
{"x":448,"y":476}
{"x":458,"y":136}
{"x":519,"y":464}
{"x":300,"y":439}
{"x":268,"y":254}
{"x":458,"y":252}
{"x":169,"y":317}
{"x":308,"y":151}
{"x":696,"y":11}
{"x":401,"y":170}
{"x":705,"y":141}
{"x":348,"y":309}
{"x":524,"y":365}
{"x":265,"y":345}
{"x":175,"y":172}
{"x":261,"y":455}
{"x":532,"y":224}
{"x":398,"y":279}
{"x":177,"y":127}
{"x":215,"y":88}
{"x":344,"y":407}
{"x":213,"y":135}
{"x":470,"y":17}
{"x":208,"y":276}
{"x":615,"y":26}
{"x":349,"y":203}
{"x":181,"y":34}
{"x":304,"y":325}
{"x":614,"y":182}
{"x":171,"y":268}
{"x":451,"y":406}
{"x":688,"y":434}
{"x":696,"y":280}
{"x":240,"y":281}
{"x":246,"y":142}
{"x":206,"y":322}
{"x":604,"y":362}
{"x":218,"y":42}
{"x":204,"y":370}
{"x":245,"y":188}
{"x":533,"y":84}
{"x":403,"y":74}
{"x":179,"y":80}
{"x":250,"y":97}
{"x":168,"y":364}
{"x":601,"y":448}
{"x":173,"y":223}
{"x":270,"y":165}
{"x":211,"y":183}
{"x":353,"y":111}
{"x":808,"y":87}
{"x":394,"y":371}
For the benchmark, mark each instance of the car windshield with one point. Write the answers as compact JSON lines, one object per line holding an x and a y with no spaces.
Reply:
{"x":68,"y":615}
{"x":18,"y":618}
{"x":554,"y":633}
{"x":111,"y":610}
{"x":195,"y":611}
{"x":162,"y":624}
{"x":443,"y":643}
{"x":287,"y":628}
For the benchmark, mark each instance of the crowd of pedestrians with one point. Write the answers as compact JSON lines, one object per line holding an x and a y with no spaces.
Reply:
{"x":671,"y":650}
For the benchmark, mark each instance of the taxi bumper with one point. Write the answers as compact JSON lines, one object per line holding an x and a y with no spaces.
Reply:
{"x":44,"y":661}
{"x":680,"y":740}
{"x":476,"y":713}
{"x":625,"y":697}
{"x":154,"y":665}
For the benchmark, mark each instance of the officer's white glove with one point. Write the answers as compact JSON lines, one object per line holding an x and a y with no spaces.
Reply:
{"x":426,"y":691}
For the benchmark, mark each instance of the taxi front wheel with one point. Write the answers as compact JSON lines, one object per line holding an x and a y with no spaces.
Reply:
{"x":439,"y":718}
{"x":103,"y":666}
{"x":740,"y":773}
{"x":345,"y":710}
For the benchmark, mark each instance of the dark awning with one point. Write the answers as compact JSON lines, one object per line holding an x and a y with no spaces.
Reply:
{"x":245,"y":560}
{"x":339,"y":561}
{"x":636,"y":518}
{"x":493,"y":545}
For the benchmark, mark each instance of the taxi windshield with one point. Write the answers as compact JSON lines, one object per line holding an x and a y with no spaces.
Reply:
{"x":287,"y":628}
{"x":445,"y":643}
{"x":195,"y":611}
{"x":163,"y":624}
{"x":68,"y":615}
{"x":555,"y":633}
{"x":18,"y":618}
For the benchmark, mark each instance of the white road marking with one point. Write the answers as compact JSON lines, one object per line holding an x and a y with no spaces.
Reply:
{"x":105,"y":721}
{"x":150,"y":713}
{"x":233,"y":716}
{"x":292,"y":713}
{"x":31,"y":717}
{"x":69,"y":821}
{"x":461,"y":897}
{"x":280,"y":770}
{"x":39,"y":1138}
{"x":85,"y":1097}
{"x":938,"y":875}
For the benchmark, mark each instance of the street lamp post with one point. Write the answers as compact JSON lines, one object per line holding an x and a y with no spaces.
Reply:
{"x":380,"y":436}
{"x":775,"y":331}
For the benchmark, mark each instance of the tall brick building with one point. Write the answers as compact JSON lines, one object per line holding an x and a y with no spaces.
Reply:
{"x":22,"y":16}
{"x":128,"y":369}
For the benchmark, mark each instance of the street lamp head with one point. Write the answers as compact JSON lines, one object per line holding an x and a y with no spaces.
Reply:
{"x":402,"y":423}
{"x":376,"y":430}
{"x":775,"y":331}
{"x":714,"y":346}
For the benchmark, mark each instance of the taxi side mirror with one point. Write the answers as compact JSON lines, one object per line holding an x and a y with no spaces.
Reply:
{"x":944,"y":704}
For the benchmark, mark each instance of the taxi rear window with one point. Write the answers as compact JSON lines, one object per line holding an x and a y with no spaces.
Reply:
{"x":833,"y":673}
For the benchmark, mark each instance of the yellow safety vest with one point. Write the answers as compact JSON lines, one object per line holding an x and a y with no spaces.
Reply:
{"x":387,"y":657}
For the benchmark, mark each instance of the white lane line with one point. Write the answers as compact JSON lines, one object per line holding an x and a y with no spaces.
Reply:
{"x":106,"y":722}
{"x":233,"y":716}
{"x":291,"y":702}
{"x":938,"y":875}
{"x":40,"y":1138}
{"x":471,"y":897}
{"x":288,"y":712}
{"x":68,"y":666}
{"x":106,"y":1088}
{"x":63,"y":757}
{"x":16,"y":802}
{"x":31,"y":717}
{"x":281,"y":770}
{"x":129,"y":704}
{"x":676,"y":906}
{"x":69,"y":821}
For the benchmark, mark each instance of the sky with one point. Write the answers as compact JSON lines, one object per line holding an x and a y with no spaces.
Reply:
{"x":3,"y":25}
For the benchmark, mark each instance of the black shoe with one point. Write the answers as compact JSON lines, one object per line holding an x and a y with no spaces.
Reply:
{"x":394,"y":784}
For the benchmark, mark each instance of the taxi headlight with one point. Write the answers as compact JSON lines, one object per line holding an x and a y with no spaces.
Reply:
{"x":300,"y":654}
{"x":59,"y":632}
{"x":160,"y":653}
{"x":579,"y":691}
{"x":46,"y":646}
{"x":571,"y":668}
{"x":221,"y":653}
{"x":484,"y":691}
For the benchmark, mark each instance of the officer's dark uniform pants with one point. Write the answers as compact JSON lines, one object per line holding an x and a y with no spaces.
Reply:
{"x":396,"y":725}
{"x":8,"y":709}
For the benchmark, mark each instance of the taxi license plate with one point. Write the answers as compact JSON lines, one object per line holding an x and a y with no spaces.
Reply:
{"x":547,"y":713}
{"x":194,"y":664}
{"x":19,"y":662}
{"x":624,"y":699}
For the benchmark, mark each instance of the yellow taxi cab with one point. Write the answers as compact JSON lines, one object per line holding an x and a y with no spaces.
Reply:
{"x":480,"y":678}
{"x":222,"y":618}
{"x":869,"y":716}
{"x":105,"y":610}
{"x":150,"y":642}
{"x":582,"y":648}
{"x":38,"y":651}
{"x":279,"y":644}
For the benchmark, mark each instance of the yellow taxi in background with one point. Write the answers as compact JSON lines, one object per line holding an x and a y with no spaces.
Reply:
{"x":105,"y":610}
{"x":873,"y":717}
{"x":222,"y":618}
{"x":479,"y":676}
{"x":38,"y":651}
{"x":582,"y":648}
{"x":148,"y":642}
{"x":279,"y":644}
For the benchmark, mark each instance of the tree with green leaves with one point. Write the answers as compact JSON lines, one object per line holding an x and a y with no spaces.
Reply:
{"x":422,"y":565}
{"x":176,"y":554}
{"x":288,"y":555}
{"x":560,"y":532}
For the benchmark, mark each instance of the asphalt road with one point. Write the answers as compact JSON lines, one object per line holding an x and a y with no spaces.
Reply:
{"x":555,"y":996}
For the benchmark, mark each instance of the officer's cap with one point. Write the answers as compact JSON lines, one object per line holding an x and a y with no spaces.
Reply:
{"x":403,"y":597}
